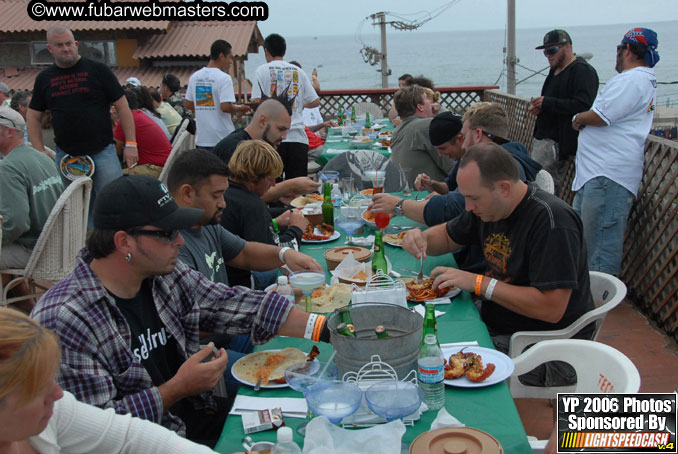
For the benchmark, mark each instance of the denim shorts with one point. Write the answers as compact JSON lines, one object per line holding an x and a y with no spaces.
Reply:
{"x":604,"y":207}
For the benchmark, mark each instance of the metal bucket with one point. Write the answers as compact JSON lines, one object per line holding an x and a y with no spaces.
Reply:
{"x":400,"y":350}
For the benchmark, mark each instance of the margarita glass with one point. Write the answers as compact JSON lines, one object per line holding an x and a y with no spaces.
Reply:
{"x":334,"y":399}
{"x":301,"y":376}
{"x":307,"y":281}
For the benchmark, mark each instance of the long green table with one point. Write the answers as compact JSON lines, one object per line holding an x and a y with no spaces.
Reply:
{"x":336,"y":141}
{"x":489,"y":408}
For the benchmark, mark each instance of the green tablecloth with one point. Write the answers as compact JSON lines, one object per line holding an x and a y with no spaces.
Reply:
{"x":335,"y":141}
{"x":489,"y":408}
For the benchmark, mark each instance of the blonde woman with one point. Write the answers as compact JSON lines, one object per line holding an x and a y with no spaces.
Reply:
{"x":254,"y":167}
{"x":37,"y":416}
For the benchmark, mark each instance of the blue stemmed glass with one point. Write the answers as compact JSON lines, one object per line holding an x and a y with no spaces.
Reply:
{"x":350,"y":221}
{"x":301,"y":376}
{"x":393,"y":399}
{"x":334,"y":399}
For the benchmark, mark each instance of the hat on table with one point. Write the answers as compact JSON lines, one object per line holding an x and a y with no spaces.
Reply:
{"x":555,"y":38}
{"x":137,"y":200}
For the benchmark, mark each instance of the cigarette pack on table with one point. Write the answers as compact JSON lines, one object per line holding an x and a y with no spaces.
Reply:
{"x":258,"y":421}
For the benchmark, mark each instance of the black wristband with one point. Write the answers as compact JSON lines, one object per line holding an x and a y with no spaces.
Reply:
{"x":325,"y":333}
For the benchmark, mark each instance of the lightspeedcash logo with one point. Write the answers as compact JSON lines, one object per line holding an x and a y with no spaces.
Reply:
{"x":107,"y":10}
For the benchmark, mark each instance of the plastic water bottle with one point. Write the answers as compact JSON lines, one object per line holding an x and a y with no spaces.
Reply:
{"x":336,"y":196}
{"x":431,"y":373}
{"x":284,"y":289}
{"x":285,"y":444}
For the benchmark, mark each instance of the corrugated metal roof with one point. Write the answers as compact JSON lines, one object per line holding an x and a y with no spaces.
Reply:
{"x":15,"y":19}
{"x":193,"y":39}
{"x":150,"y":77}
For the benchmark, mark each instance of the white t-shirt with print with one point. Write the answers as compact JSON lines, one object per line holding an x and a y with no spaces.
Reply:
{"x":207,"y":89}
{"x":616,"y":151}
{"x":312,"y":117}
{"x":277,"y":76}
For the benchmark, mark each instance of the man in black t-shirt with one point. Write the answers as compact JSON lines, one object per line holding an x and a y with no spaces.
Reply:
{"x":537,"y":273}
{"x":569,"y":88}
{"x":79,"y":92}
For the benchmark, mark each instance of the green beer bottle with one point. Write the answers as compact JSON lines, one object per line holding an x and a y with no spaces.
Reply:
{"x":346,"y":330}
{"x":368,"y":123}
{"x":353,"y":119}
{"x":327,"y":206}
{"x":378,"y":258}
{"x":430,"y":325}
{"x":345,"y":315}
{"x":340,"y":115}
{"x":381,"y":332}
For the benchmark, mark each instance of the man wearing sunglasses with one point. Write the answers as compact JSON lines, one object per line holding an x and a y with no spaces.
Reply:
{"x":569,"y":88}
{"x":129,"y":315}
{"x":611,"y":149}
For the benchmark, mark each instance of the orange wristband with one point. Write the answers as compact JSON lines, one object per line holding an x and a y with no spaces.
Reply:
{"x":479,"y":283}
{"x":318,"y":328}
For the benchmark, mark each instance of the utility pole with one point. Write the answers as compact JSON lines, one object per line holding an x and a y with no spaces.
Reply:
{"x":511,"y":51}
{"x":381,"y":16}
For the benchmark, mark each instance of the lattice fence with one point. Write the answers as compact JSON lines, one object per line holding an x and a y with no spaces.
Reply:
{"x":455,"y":99}
{"x":521,"y":122}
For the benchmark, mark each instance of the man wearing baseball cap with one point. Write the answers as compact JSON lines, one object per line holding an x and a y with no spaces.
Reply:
{"x":129,"y":315}
{"x":4,"y":94}
{"x":29,"y":187}
{"x":612,"y":137}
{"x":570,"y":87}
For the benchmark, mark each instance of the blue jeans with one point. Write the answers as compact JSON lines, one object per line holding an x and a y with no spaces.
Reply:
{"x":106,"y":169}
{"x":603,"y":206}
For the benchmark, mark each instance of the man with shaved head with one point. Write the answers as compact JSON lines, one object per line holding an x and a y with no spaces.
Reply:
{"x":270,"y":123}
{"x":79,"y":92}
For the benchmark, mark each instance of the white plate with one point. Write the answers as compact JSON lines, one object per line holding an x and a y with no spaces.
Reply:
{"x":503,"y":366}
{"x":393,"y":244}
{"x":272,"y":386}
{"x":334,"y":236}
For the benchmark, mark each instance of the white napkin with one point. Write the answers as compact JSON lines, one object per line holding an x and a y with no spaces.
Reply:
{"x":323,"y":437}
{"x":292,"y":407}
{"x":444,"y":419}
{"x":334,"y":151}
{"x":460,"y":344}
{"x":419,"y":309}
{"x":363,"y":240}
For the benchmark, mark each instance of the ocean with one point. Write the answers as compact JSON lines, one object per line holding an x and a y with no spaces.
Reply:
{"x":469,"y":57}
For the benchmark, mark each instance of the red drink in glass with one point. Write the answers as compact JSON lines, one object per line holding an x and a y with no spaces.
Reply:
{"x":382,"y":220}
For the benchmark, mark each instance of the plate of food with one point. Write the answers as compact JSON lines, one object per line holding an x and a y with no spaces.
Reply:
{"x":475,"y":367}
{"x":420,"y":293}
{"x":368,"y":216}
{"x":395,"y":239}
{"x":302,"y":201}
{"x":322,"y":233}
{"x":328,"y":298}
{"x":270,"y":365}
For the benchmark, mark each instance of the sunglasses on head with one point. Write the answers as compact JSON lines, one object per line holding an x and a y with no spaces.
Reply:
{"x":167,"y":236}
{"x":552,"y":50}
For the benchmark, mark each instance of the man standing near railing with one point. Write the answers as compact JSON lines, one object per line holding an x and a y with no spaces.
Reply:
{"x":610,"y":158}
{"x":569,"y":88}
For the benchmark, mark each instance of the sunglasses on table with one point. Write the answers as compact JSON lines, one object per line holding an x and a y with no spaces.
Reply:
{"x":167,"y":236}
{"x":552,"y":50}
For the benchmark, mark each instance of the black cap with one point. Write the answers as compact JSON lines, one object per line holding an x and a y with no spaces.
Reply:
{"x":137,"y":200}
{"x":444,"y":127}
{"x":555,"y":37}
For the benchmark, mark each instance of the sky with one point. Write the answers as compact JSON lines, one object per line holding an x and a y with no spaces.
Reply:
{"x":322,"y":17}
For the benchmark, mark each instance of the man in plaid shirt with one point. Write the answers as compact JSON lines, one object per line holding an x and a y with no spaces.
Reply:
{"x":129,"y":314}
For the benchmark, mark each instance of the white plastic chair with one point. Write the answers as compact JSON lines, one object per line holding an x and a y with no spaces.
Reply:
{"x":599,"y":367}
{"x":62,"y":237}
{"x":362,"y":108}
{"x":607,"y":292}
{"x":544,"y":181}
{"x":182,"y":144}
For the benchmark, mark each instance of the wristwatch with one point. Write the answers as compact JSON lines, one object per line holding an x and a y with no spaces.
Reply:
{"x":398,"y":209}
{"x":575,"y":122}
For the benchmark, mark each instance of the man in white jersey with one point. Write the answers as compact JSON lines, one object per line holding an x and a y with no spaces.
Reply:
{"x":210,"y":94}
{"x":275,"y":77}
{"x":610,"y":153}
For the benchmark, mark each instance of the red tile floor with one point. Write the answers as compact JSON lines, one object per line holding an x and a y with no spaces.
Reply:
{"x":628,"y":330}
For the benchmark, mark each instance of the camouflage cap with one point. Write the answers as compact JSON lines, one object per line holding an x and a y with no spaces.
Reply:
{"x":555,"y":37}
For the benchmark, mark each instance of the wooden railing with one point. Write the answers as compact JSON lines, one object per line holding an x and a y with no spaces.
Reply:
{"x":455,"y":99}
{"x":521,"y":122}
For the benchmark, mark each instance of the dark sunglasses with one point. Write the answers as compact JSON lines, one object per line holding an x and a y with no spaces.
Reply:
{"x":10,"y":120}
{"x":620,"y":47}
{"x":494,"y":138}
{"x":167,"y":236}
{"x":552,"y":51}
